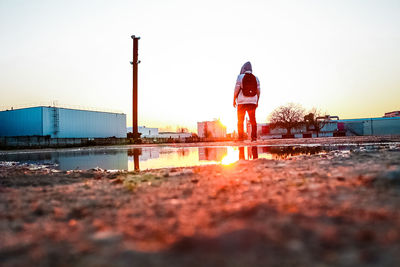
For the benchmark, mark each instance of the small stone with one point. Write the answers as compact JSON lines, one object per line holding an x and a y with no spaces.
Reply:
{"x":116,"y":181}
{"x":295,"y":245}
{"x":106,"y":237}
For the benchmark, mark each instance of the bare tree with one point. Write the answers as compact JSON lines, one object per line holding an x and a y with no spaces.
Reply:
{"x":288,"y":116}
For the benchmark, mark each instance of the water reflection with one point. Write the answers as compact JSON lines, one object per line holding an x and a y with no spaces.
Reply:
{"x":153,"y":158}
{"x":252,"y":153}
{"x":129,"y":158}
{"x":212,"y":153}
{"x":285,"y":152}
{"x":82,"y":159}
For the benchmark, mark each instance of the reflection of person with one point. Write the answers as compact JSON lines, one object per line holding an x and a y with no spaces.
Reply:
{"x":246,"y":96}
{"x":253,"y":152}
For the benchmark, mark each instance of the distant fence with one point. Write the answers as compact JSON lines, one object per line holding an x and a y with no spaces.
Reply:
{"x":158,"y":140}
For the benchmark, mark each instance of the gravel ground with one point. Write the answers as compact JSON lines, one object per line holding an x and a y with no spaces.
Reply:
{"x":341,"y":208}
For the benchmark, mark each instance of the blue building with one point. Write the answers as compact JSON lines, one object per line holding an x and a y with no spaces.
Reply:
{"x":371,"y":126}
{"x":59,"y":122}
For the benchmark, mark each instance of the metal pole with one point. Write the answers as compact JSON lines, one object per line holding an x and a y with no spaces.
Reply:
{"x":135,"y":63}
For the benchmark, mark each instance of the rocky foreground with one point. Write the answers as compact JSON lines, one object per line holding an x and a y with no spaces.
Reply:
{"x":341,"y":208}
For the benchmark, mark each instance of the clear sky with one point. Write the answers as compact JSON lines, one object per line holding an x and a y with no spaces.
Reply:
{"x":340,"y":56}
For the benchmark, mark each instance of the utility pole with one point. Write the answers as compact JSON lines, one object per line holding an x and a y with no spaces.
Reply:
{"x":135,"y":63}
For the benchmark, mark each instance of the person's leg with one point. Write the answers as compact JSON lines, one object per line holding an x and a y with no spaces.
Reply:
{"x":251,"y":110}
{"x":240,"y":114}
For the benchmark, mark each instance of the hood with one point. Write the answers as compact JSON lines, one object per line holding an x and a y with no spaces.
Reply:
{"x":246,"y":68}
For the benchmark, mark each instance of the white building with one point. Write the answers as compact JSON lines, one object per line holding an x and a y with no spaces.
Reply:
{"x":211,"y":129}
{"x":147,"y":132}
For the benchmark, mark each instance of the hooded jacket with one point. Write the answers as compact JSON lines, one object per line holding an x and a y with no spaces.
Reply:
{"x":238,"y":94}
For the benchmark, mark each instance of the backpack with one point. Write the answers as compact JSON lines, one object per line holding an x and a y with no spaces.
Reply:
{"x":249,"y":85}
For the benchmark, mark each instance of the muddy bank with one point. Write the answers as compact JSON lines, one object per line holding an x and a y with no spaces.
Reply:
{"x":341,"y":208}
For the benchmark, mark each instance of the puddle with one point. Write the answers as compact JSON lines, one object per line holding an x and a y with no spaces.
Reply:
{"x":129,"y":158}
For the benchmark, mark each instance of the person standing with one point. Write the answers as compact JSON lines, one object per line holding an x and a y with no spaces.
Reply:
{"x":245,"y":98}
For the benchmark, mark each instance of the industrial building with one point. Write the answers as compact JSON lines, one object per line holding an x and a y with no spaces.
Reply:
{"x":57,"y":122}
{"x":147,"y":132}
{"x":211,"y":129}
{"x":371,"y":126}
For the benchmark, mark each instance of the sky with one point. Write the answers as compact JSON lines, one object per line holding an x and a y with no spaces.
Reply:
{"x":341,"y":57}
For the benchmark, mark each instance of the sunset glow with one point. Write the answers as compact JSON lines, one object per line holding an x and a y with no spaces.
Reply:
{"x":230,"y":122}
{"x":77,"y":53}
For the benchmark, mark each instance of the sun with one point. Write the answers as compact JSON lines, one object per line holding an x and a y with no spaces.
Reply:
{"x":230,"y":123}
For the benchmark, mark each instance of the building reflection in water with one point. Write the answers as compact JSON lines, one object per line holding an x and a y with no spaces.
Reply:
{"x":212,"y":153}
{"x":162,"y":157}
{"x":72,"y":159}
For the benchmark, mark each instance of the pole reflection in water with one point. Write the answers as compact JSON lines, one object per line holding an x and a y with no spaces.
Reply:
{"x":135,"y":152}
